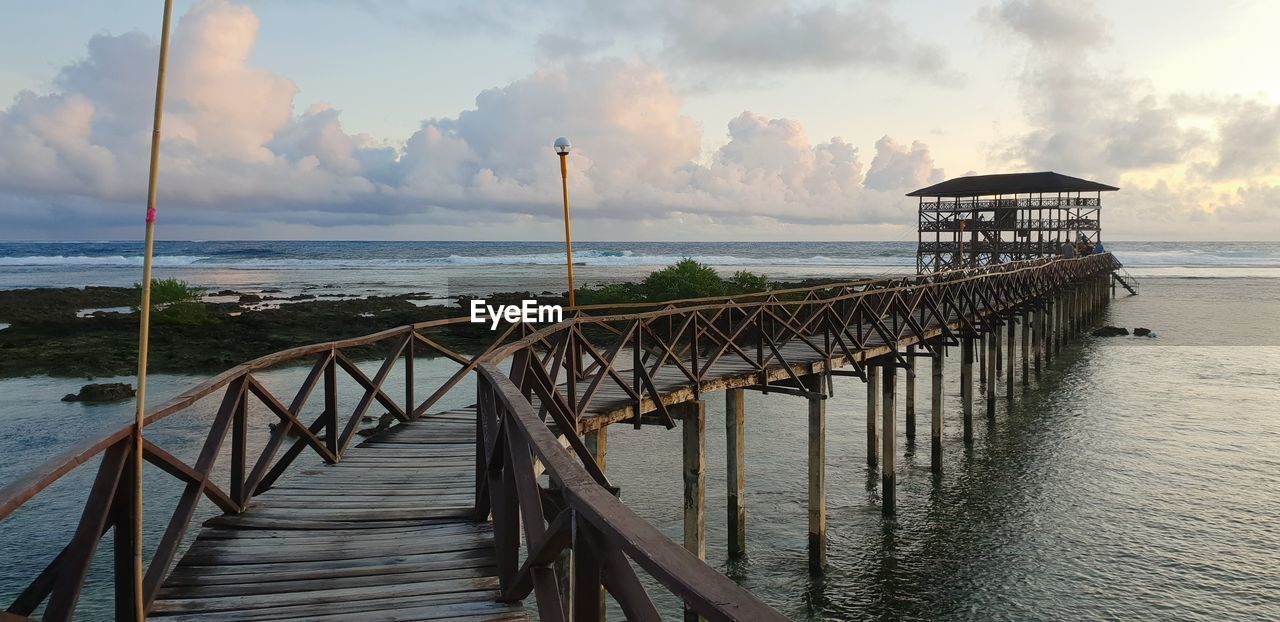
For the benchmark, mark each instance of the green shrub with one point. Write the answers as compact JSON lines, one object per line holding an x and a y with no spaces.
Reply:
{"x":612,"y":294}
{"x":185,"y":314}
{"x":685,"y":279}
{"x":743,"y":282}
{"x":175,"y":302}
{"x":168,"y":292}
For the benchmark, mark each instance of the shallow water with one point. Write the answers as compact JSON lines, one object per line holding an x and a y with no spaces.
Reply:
{"x":1137,"y":479}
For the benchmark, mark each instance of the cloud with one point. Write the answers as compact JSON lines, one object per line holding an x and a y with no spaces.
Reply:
{"x":1172,"y":154}
{"x":234,"y":153}
{"x":1095,"y":121}
{"x":902,"y":167}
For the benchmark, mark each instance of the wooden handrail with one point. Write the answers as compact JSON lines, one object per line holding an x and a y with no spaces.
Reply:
{"x":713,"y":595}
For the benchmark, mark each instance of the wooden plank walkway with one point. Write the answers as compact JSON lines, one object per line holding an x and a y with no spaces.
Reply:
{"x":386,"y":534}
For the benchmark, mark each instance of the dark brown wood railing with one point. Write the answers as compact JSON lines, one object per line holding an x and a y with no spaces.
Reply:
{"x":109,"y":507}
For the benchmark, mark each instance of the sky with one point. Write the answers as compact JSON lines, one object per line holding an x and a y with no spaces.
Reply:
{"x":714,"y":120}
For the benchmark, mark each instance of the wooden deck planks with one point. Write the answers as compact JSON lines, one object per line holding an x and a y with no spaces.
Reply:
{"x":386,"y":534}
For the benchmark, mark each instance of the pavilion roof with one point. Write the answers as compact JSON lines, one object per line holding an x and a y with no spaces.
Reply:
{"x":1010,"y":183}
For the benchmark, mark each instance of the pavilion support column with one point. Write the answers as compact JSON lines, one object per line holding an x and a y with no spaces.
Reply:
{"x":909,"y":399}
{"x":888,"y":486}
{"x":993,"y":347}
{"x":817,"y":473}
{"x":1026,"y":347}
{"x":1008,"y":375}
{"x":735,"y":436}
{"x":966,"y":385}
{"x":935,"y":421}
{"x":873,"y":408}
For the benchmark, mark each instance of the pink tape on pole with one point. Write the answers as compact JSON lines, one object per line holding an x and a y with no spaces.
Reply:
{"x":151,"y":214}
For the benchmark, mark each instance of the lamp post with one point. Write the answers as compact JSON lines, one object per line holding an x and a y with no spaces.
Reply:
{"x":562,"y":149}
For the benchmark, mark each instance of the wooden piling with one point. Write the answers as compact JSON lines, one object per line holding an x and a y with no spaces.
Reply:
{"x":586,"y":567}
{"x":735,"y":445}
{"x":993,"y":347}
{"x":982,"y":359}
{"x":935,"y":421}
{"x":999,"y":359}
{"x":597,"y":442}
{"x":1037,"y":336}
{"x":966,"y":385}
{"x":909,"y":399}
{"x":694,"y":427}
{"x":1009,"y":358}
{"x":817,"y":474}
{"x":873,"y":403}
{"x":1026,"y":347}
{"x":887,"y":433}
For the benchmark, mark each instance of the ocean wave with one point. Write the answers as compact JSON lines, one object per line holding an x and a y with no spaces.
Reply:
{"x":105,"y":260}
{"x":589,"y":258}
{"x":1191,"y":257}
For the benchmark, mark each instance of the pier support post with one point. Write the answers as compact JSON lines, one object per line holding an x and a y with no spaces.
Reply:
{"x":587,"y":569}
{"x":993,"y":347}
{"x":694,"y":428}
{"x":887,"y":433}
{"x":935,"y":421}
{"x":1026,"y":347}
{"x":982,"y":359}
{"x":735,"y":444}
{"x":966,"y":386}
{"x":873,"y":403}
{"x":597,"y":442}
{"x":817,"y":473}
{"x":1009,"y":359}
{"x":999,"y":356}
{"x":1059,"y":303}
{"x":909,"y":399}
{"x":1037,"y":336}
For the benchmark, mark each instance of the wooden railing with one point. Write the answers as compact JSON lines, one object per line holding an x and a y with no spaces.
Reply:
{"x":109,"y":506}
{"x":563,"y":366}
{"x":581,"y":515}
{"x":843,"y":325}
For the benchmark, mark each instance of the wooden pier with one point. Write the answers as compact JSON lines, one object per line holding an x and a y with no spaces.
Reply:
{"x":445,"y":516}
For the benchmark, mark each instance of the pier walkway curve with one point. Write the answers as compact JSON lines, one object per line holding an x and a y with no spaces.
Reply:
{"x":474,"y":513}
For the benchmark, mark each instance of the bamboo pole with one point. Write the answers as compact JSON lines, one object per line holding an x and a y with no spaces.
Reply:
{"x":144,"y":313}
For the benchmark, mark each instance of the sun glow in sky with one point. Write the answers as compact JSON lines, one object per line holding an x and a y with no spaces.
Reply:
{"x":754,"y":119}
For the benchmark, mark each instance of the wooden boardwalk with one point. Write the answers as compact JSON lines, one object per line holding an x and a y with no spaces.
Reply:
{"x":386,"y":534}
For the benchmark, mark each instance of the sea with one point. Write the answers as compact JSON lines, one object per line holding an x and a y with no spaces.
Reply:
{"x":1135,"y":479}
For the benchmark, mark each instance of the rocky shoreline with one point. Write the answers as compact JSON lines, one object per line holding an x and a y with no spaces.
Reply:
{"x":49,"y":332}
